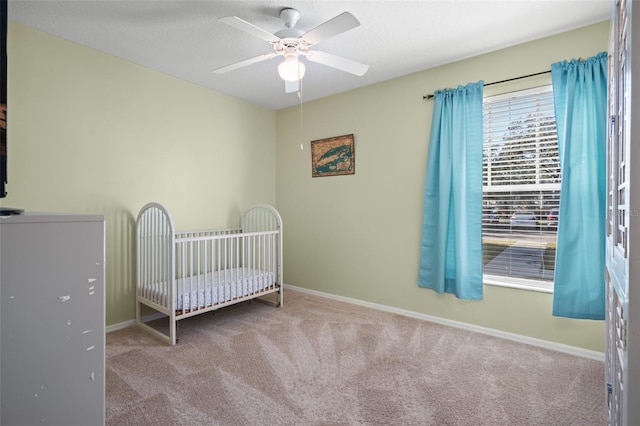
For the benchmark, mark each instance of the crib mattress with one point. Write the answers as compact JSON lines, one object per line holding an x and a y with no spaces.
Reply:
{"x":198,"y":291}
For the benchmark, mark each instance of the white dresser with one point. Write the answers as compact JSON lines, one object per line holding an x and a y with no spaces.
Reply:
{"x":52,"y":319}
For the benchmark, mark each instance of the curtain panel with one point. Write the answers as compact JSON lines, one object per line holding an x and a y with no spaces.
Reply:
{"x":580,"y":99}
{"x":451,"y":247}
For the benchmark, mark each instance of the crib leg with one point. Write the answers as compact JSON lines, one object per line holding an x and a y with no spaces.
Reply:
{"x":172,"y":331}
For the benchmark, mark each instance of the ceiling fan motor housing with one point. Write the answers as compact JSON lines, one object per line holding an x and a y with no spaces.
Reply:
{"x":290,"y":17}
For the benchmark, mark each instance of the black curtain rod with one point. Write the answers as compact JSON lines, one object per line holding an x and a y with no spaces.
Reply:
{"x":430,"y":96}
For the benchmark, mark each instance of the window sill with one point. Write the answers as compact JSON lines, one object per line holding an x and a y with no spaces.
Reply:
{"x":519,"y":283}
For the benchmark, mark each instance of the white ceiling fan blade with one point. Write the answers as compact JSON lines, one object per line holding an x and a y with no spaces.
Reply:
{"x":334,"y":26}
{"x":291,"y":86}
{"x":248,"y":27}
{"x":338,"y":62}
{"x":244,"y":63}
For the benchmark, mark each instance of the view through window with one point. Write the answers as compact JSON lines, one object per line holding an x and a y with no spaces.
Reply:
{"x":521,"y":188}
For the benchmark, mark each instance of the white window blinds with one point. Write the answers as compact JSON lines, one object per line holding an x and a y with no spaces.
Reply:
{"x":521,"y":187}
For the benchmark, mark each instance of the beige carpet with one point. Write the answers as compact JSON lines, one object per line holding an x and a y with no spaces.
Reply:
{"x":321,"y":362}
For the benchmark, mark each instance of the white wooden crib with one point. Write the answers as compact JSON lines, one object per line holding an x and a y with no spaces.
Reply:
{"x":181,"y":274}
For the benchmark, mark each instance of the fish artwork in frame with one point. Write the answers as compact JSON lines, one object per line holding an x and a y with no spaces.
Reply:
{"x":333,"y":156}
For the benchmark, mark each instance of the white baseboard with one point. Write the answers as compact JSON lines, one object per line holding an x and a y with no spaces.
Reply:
{"x":572,"y":350}
{"x":125,"y":324}
{"x":120,"y":325}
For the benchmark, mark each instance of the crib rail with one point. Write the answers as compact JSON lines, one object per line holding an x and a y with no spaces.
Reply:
{"x":263,"y":217}
{"x":217,"y":270}
{"x":155,"y":256}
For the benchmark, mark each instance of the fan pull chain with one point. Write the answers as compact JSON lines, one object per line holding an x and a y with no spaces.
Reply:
{"x":301,"y":126}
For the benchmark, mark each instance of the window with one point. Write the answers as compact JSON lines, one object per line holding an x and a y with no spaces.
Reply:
{"x":521,"y":189}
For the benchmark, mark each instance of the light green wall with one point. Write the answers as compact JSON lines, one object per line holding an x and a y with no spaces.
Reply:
{"x":359,"y":236}
{"x":90,"y":133}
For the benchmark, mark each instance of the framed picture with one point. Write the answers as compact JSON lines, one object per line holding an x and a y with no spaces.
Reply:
{"x":333,"y":156}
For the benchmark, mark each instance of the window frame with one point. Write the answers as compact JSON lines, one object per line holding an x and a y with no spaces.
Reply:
{"x":504,"y":280}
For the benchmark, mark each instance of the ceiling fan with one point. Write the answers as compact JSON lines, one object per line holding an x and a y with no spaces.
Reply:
{"x":291,"y":43}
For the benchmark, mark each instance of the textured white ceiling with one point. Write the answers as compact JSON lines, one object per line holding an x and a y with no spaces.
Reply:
{"x":184,"y":38}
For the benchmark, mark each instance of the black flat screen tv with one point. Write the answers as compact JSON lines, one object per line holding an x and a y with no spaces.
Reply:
{"x":4,"y":18}
{"x":3,"y":97}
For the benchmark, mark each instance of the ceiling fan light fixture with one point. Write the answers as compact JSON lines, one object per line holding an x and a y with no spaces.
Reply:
{"x":291,"y":69}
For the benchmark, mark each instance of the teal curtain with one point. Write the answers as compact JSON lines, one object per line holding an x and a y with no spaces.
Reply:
{"x":580,"y":99}
{"x":451,"y":249}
